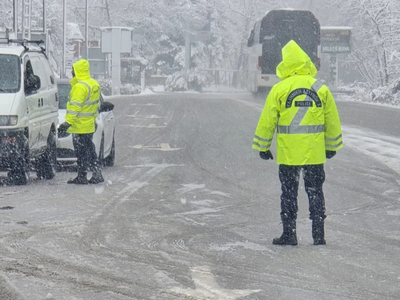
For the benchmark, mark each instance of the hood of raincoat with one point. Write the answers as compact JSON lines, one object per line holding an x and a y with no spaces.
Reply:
{"x":81,"y":69}
{"x":295,"y":62}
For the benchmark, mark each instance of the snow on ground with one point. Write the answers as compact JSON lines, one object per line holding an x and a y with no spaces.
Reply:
{"x":209,"y":89}
{"x":384,"y":148}
{"x":223,"y":89}
{"x":149,"y":91}
{"x":158,"y":88}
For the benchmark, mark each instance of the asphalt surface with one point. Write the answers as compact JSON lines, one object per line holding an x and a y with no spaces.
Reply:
{"x":189,"y":212}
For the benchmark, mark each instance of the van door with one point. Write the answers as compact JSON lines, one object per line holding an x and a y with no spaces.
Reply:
{"x":32,"y":98}
{"x":50,"y":97}
{"x":43,"y":95}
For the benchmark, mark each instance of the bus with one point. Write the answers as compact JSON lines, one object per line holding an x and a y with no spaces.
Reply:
{"x":267,"y":38}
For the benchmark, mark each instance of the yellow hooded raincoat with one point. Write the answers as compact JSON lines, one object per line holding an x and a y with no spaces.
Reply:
{"x":84,"y":100}
{"x":301,"y":110}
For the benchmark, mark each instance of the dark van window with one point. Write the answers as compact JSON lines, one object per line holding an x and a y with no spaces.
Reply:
{"x":63,"y":91}
{"x":38,"y":69}
{"x":10,"y":80}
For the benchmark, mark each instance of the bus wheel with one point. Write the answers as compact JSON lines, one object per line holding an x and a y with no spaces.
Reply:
{"x":262,"y":92}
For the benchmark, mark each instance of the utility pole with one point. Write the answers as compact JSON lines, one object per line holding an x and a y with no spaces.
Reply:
{"x":63,"y":74}
{"x":188,"y":50}
{"x":15,"y":16}
{"x":44,"y":17}
{"x":26,"y":19}
{"x":87,"y":30}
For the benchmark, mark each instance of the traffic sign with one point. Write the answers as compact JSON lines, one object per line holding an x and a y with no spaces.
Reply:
{"x":335,"y":39}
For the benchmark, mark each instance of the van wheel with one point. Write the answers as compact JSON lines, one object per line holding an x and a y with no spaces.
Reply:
{"x":19,"y":172}
{"x":109,"y":160}
{"x":46,"y":164}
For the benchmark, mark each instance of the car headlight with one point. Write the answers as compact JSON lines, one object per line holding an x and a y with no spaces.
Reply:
{"x":8,"y":120}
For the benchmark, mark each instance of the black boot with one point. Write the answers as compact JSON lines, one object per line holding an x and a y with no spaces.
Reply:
{"x":80,"y":179}
{"x":96,"y":178}
{"x":288,"y":236}
{"x":318,"y":232}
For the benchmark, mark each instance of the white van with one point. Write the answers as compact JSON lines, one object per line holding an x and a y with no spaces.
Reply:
{"x":28,"y":112}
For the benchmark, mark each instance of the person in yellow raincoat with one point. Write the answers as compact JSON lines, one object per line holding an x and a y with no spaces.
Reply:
{"x":302,"y":112}
{"x":82,"y":109}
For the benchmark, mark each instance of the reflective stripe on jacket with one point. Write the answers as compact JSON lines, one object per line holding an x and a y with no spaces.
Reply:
{"x":302,"y":112}
{"x":84,"y":100}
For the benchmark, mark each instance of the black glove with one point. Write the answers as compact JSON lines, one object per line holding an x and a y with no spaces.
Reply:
{"x":330,"y":154}
{"x":62,"y":129}
{"x":266,"y":155}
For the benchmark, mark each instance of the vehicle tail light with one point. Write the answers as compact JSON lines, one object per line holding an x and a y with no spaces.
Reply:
{"x":318,"y":64}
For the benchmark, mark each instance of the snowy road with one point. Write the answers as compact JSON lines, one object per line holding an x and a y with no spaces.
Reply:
{"x":189,"y":212}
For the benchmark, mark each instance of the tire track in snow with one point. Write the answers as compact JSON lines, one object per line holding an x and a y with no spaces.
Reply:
{"x":61,"y":270}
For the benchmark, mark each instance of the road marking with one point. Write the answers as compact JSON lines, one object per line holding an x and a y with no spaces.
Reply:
{"x":145,"y":117}
{"x":144,"y":126}
{"x":10,"y":193}
{"x":153,"y":165}
{"x":131,"y":188}
{"x":208,"y":289}
{"x":257,"y":106}
{"x":144,"y":104}
{"x":159,"y":147}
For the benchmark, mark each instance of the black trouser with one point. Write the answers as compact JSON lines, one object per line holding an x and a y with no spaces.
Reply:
{"x":85,"y":153}
{"x":314,"y":177}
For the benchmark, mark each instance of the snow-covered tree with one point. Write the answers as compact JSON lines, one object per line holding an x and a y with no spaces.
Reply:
{"x":376,"y":43}
{"x":159,"y":29}
{"x":6,"y":13}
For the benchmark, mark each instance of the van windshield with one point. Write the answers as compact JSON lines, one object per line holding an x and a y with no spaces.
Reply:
{"x":10,"y":73}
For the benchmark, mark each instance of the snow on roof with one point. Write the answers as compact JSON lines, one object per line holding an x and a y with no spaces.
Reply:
{"x":16,"y":48}
{"x":288,"y":8}
{"x":116,"y":27}
{"x":285,"y":8}
{"x":136,"y":59}
{"x":11,"y":49}
{"x":74,"y":32}
{"x":336,"y":28}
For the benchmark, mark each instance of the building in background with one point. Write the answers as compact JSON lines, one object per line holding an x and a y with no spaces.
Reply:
{"x":76,"y":48}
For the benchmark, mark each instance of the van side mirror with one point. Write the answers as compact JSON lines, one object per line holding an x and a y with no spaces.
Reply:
{"x":32,"y":83}
{"x":106,"y":106}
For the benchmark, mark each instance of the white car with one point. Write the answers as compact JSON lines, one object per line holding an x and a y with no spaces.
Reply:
{"x":103,"y":138}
